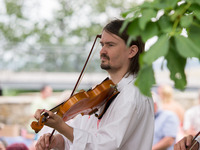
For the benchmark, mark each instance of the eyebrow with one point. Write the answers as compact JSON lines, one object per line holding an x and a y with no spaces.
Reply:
{"x":109,"y":42}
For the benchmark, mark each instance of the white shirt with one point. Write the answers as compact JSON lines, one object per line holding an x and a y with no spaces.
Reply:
{"x":128,"y":123}
{"x":192,"y":118}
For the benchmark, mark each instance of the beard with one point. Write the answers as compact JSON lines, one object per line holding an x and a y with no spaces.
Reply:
{"x":105,"y":66}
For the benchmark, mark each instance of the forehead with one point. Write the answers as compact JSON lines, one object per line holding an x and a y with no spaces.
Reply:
{"x":107,"y":36}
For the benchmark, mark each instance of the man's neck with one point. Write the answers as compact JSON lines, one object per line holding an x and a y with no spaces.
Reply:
{"x":116,"y":77}
{"x":117,"y":74}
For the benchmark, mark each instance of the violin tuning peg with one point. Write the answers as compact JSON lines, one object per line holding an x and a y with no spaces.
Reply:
{"x":93,"y":111}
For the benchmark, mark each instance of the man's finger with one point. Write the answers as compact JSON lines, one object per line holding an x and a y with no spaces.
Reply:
{"x":38,"y":113}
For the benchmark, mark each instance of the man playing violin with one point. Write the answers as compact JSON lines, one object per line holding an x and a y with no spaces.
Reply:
{"x":129,"y":120}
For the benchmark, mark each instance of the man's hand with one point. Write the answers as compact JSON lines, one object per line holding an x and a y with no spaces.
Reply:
{"x":56,"y":122}
{"x":53,"y":120}
{"x":44,"y":144}
{"x":183,"y":143}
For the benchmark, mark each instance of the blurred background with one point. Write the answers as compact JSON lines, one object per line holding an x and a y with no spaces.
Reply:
{"x":45,"y":43}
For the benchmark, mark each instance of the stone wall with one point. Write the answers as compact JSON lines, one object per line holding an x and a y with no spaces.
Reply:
{"x":15,"y":110}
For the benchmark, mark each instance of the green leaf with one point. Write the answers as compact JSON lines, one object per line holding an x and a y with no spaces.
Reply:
{"x":197,"y":1}
{"x":125,"y":24}
{"x":130,"y":39}
{"x":194,"y":32}
{"x":186,"y":21}
{"x":195,"y":8}
{"x":145,"y":79}
{"x":147,"y":14}
{"x":147,"y":4}
{"x":133,"y":28}
{"x":160,"y":48}
{"x":194,"y":1}
{"x":186,"y":47}
{"x":176,"y":64}
{"x":165,"y":24}
{"x":152,"y":29}
{"x":179,"y":11}
{"x":197,"y":12}
{"x":165,"y":4}
{"x":132,"y":10}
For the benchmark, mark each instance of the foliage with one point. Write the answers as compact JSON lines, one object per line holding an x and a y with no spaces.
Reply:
{"x":31,"y":42}
{"x":176,"y":23}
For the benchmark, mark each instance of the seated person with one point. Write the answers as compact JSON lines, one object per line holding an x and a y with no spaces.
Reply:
{"x":166,"y":127}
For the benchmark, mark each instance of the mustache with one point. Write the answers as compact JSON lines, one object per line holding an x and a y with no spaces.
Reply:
{"x":104,"y":56}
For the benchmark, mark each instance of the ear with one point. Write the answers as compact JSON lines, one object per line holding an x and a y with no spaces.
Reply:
{"x":133,"y":51}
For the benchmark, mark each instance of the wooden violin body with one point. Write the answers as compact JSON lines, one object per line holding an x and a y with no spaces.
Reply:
{"x":85,"y":103}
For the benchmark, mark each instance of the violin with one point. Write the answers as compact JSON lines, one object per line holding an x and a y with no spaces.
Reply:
{"x":195,"y":144}
{"x":85,"y":103}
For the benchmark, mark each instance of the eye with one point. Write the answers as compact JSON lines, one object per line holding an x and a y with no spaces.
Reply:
{"x":110,"y":45}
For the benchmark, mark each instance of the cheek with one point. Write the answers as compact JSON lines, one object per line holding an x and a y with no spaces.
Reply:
{"x":116,"y":59}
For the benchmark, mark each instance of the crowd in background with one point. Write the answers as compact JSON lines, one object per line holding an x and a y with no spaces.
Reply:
{"x":172,"y":121}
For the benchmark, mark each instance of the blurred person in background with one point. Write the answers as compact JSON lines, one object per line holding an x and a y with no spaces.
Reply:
{"x":166,"y":127}
{"x":192,"y":119}
{"x":166,"y":94}
{"x":45,"y":99}
{"x":17,"y":146}
{"x":168,"y":103}
{"x":3,"y":144}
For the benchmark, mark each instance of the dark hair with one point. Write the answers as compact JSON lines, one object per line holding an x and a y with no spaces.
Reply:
{"x":114,"y":28}
{"x":44,"y":87}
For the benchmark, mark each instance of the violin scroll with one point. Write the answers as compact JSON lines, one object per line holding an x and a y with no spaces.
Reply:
{"x":37,"y":126}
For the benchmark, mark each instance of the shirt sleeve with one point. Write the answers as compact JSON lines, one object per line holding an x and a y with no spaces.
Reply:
{"x":171,"y":125}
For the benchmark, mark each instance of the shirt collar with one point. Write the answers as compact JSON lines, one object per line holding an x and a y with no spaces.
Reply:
{"x":125,"y":80}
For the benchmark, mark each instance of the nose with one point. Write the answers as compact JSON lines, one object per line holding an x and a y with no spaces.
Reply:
{"x":103,"y":50}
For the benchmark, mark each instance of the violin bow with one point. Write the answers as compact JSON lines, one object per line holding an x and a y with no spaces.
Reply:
{"x":194,"y":143}
{"x":80,"y":76}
